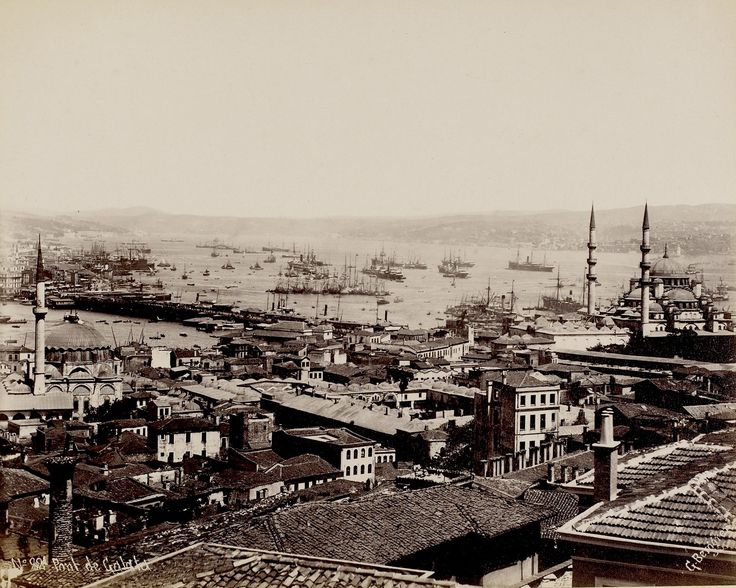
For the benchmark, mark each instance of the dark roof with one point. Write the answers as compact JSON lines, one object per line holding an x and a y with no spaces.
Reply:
{"x":182,"y":424}
{"x":15,"y":483}
{"x":638,"y":410}
{"x":522,"y":379}
{"x":374,"y":528}
{"x":564,"y":504}
{"x":304,"y":466}
{"x":221,"y":565}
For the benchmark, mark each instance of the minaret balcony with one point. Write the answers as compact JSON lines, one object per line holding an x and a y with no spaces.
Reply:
{"x":592,"y":260}
{"x":645,"y":248}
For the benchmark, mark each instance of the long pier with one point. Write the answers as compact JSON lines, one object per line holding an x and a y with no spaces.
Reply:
{"x":142,"y":307}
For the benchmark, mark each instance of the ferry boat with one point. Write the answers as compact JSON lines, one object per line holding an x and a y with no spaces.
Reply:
{"x":529,"y":265}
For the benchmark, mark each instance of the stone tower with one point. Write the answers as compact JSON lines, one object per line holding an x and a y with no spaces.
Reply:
{"x":61,"y":523}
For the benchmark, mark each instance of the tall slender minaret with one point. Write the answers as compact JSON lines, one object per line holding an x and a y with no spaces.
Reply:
{"x":592,"y":279}
{"x":40,"y":311}
{"x":645,"y":266}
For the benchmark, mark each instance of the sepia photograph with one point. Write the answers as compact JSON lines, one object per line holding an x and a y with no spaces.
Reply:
{"x":379,"y":294}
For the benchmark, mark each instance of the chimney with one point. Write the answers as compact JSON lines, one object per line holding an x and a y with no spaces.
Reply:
{"x":237,"y":431}
{"x":61,"y":475}
{"x":551,"y":473}
{"x":605,"y":458}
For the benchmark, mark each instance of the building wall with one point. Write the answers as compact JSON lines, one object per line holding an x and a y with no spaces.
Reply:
{"x":179,"y":444}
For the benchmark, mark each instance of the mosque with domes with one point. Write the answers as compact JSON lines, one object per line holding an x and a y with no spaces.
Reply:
{"x":73,"y":370}
{"x":674,"y":301}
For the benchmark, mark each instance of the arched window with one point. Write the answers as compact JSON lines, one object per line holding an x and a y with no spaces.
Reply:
{"x":362,"y":452}
{"x":347,"y":455}
{"x":355,"y":470}
{"x":362,"y":469}
{"x":370,"y":451}
{"x":370,"y":468}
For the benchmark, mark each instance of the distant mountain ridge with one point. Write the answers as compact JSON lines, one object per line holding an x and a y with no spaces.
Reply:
{"x":550,"y":228}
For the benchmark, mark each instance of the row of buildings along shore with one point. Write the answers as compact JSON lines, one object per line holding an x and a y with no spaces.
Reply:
{"x":499,"y":450}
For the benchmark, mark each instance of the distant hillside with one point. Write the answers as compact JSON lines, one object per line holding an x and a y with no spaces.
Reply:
{"x":709,"y":227}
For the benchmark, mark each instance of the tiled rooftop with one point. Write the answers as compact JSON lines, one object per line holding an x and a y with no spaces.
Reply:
{"x":375,"y":528}
{"x":695,"y":514}
{"x":220,"y":565}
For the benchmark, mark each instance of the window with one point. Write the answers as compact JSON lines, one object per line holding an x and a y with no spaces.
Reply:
{"x":370,"y":451}
{"x":347,"y":471}
{"x":553,"y":417}
{"x":171,"y":457}
{"x":355,"y":470}
{"x":542,"y":399}
{"x":533,"y":398}
{"x":204,"y":436}
{"x":370,"y":468}
{"x":532,"y":444}
{"x":522,"y":422}
{"x":347,"y":455}
{"x":542,"y":421}
{"x":362,"y":452}
{"x":532,"y":422}
{"x":522,"y":445}
{"x":189,"y":437}
{"x":362,"y":469}
{"x":551,"y":398}
{"x":171,"y":437}
{"x":522,"y":400}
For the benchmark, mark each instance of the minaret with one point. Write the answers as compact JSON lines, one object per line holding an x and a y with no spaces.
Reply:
{"x":645,"y":266}
{"x":40,"y":311}
{"x":592,"y":279}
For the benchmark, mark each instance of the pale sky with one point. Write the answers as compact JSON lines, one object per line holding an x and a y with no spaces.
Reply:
{"x":379,"y":107}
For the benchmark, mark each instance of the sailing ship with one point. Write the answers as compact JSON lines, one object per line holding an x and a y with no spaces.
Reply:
{"x":270,"y":259}
{"x":227,"y":265}
{"x":529,"y":265}
{"x":206,"y":272}
{"x":450,"y":268}
{"x":256,"y":267}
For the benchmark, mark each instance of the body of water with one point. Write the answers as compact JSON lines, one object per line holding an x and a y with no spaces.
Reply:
{"x":425,"y":294}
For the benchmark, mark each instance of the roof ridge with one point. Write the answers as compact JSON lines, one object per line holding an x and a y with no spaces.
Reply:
{"x":693,"y":484}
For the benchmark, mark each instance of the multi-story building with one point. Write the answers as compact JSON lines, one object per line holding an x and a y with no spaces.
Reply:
{"x":353,"y":454}
{"x":14,"y":359}
{"x":519,"y":415}
{"x":179,"y":437}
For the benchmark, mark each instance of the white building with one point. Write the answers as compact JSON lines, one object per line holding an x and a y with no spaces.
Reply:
{"x":177,"y":438}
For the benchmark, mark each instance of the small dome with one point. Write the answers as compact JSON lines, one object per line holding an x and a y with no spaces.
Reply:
{"x":75,"y":336}
{"x":655,"y":307}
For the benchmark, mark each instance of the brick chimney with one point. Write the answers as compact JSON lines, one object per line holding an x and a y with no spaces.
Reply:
{"x":605,"y":458}
{"x":61,"y":475}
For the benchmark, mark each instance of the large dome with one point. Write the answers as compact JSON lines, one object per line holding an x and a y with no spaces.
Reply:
{"x":75,"y":336}
{"x":667,"y":267}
